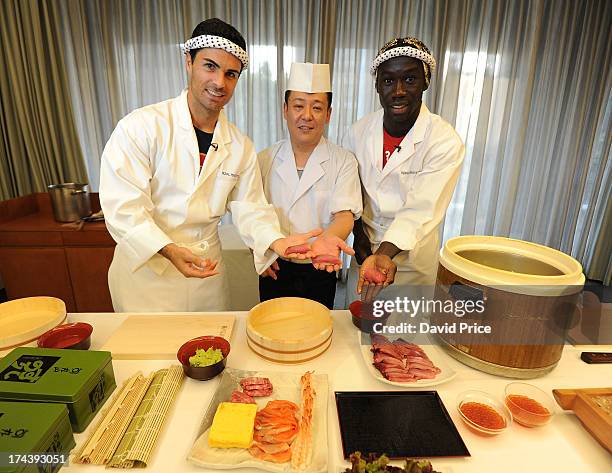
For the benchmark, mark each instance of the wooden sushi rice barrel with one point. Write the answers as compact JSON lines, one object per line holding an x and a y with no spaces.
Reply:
{"x":289,"y":329}
{"x":527,"y":288}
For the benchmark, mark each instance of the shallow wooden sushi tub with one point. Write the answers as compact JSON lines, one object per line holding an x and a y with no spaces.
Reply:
{"x":24,"y":320}
{"x":531,"y":295}
{"x":289,"y":329}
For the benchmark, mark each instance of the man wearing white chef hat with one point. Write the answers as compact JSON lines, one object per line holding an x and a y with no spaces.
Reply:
{"x":409,"y":162}
{"x":311,"y":183}
{"x":169,"y":172}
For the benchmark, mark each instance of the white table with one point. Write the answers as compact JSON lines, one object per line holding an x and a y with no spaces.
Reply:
{"x":561,"y":446}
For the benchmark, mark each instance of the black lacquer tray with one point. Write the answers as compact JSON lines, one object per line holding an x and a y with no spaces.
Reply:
{"x":398,"y":423}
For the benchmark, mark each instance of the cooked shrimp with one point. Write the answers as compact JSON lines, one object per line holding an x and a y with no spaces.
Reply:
{"x":301,"y":454}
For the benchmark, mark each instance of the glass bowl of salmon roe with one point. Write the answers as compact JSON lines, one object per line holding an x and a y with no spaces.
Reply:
{"x":483,"y":413}
{"x":530,"y":406}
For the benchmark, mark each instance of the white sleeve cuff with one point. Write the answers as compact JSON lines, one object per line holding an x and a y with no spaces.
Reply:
{"x":264,"y":261}
{"x":400,"y":238}
{"x":144,"y":241}
{"x":264,"y":240}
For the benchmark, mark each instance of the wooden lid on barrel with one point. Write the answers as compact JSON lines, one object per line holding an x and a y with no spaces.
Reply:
{"x":530,"y":294}
{"x":522,"y":267}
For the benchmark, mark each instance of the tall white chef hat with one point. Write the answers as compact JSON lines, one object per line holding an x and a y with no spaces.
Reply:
{"x":308,"y":77}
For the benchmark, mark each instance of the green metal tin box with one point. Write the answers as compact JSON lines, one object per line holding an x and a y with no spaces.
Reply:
{"x":33,"y":432}
{"x":83,"y":380}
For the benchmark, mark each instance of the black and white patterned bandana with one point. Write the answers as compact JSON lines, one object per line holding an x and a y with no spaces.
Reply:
{"x":217,"y":42}
{"x":409,"y":47}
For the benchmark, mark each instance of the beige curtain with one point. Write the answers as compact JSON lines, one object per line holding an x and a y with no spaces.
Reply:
{"x":38,"y":140}
{"x":526,"y":83}
{"x":527,"y":86}
{"x":120,"y":55}
{"x":277,"y":32}
{"x":597,"y":252}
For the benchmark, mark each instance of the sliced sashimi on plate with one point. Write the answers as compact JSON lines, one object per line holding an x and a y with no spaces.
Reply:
{"x":407,"y":365}
{"x":267,"y":452}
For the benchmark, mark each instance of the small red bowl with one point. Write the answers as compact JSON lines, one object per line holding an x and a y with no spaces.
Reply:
{"x":76,"y":336}
{"x":363,"y":316}
{"x":189,"y":348}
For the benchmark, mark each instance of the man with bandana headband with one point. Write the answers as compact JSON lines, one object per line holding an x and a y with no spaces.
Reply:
{"x":409,"y":162}
{"x":169,"y":172}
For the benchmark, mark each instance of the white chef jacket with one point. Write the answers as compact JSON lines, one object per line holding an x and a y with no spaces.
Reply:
{"x":153,"y":193}
{"x":405,"y":202}
{"x":329,"y":184}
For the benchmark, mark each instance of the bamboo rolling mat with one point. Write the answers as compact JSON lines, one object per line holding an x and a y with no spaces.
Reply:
{"x":127,"y":432}
{"x":141,"y":436}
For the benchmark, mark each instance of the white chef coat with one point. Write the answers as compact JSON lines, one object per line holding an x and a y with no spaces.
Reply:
{"x":329,"y":184}
{"x":405,"y":202}
{"x":153,"y":193}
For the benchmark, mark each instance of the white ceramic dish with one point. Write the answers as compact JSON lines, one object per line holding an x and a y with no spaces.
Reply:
{"x":286,"y":386}
{"x":436,"y":356}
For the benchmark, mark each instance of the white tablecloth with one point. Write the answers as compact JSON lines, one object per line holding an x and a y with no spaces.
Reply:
{"x":561,"y":446}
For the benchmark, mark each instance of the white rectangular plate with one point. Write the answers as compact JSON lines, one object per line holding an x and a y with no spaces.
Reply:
{"x":435,"y":355}
{"x":286,"y":386}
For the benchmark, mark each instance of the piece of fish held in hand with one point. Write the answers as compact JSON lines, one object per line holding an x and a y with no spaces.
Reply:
{"x":373,"y":275}
{"x":297,"y":249}
{"x":326,"y":259}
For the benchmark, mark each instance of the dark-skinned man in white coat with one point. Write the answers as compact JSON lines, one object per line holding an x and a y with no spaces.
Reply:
{"x":409,"y":162}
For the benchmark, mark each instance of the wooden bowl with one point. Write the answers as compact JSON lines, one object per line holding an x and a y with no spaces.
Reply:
{"x":24,"y":320}
{"x":289,"y":329}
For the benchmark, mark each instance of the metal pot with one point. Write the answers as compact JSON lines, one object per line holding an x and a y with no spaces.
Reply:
{"x":70,"y":201}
